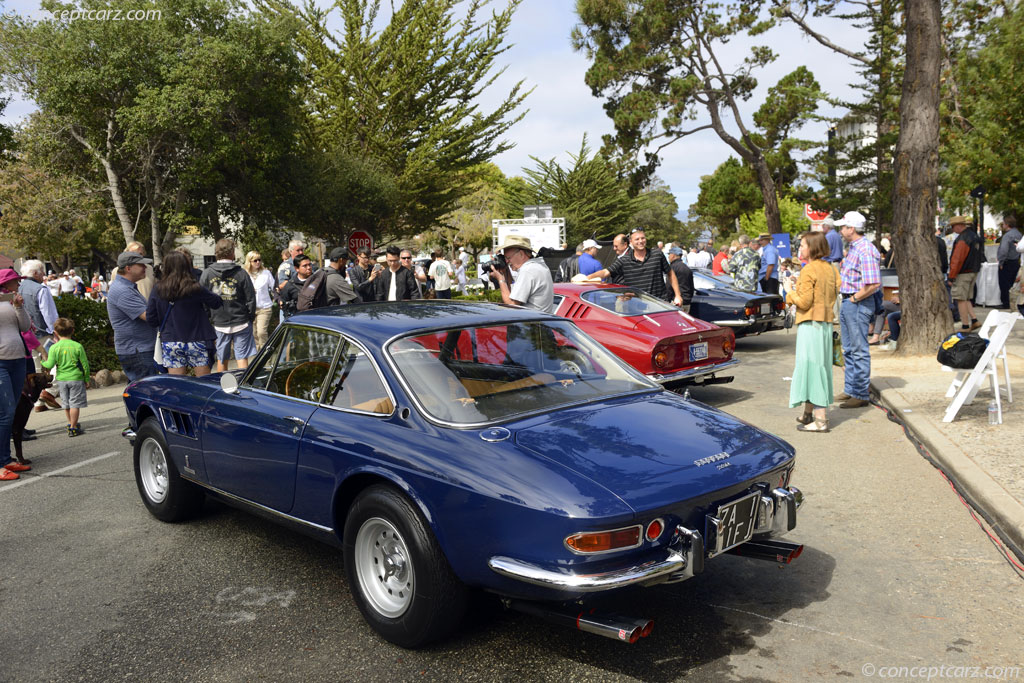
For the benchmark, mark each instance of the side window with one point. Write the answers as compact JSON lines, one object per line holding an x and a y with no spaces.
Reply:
{"x":299,"y":365}
{"x":356,"y":384}
{"x":259,"y":376}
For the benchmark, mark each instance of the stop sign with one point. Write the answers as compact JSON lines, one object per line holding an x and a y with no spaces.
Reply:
{"x":358,"y":239}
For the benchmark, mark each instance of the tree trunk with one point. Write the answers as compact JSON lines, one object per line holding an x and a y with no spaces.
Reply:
{"x":926,"y":316}
{"x":771,"y":201}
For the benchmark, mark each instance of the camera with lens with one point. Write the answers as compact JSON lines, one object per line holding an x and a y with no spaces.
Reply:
{"x":497,"y":263}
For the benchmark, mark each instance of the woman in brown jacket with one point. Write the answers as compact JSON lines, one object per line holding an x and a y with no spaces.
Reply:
{"x":814,"y":297}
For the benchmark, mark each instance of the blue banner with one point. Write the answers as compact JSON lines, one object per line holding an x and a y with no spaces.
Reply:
{"x":780,"y":241}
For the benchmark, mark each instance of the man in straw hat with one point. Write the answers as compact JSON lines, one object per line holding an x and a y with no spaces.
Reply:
{"x":533,"y":286}
{"x":964,"y":265}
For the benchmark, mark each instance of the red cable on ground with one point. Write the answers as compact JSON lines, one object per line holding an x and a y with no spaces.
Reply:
{"x":1006,"y":552}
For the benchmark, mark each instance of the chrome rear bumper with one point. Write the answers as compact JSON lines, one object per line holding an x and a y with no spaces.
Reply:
{"x":683,"y":559}
{"x":698,"y":371}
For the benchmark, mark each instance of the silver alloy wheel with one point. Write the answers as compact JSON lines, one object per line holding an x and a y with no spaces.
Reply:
{"x":153,"y":470}
{"x":384,"y":567}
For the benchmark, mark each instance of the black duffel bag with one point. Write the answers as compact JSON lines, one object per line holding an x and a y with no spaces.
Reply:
{"x":961,"y":351}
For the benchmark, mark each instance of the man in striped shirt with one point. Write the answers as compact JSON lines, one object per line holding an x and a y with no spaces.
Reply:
{"x":860,"y":279}
{"x":643,"y":268}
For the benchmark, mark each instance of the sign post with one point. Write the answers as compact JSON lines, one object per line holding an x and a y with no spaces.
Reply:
{"x":359,"y":239}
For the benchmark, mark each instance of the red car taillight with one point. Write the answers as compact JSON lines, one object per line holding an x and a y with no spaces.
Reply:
{"x":729,"y":344}
{"x":780,"y":305}
{"x":750,"y":310}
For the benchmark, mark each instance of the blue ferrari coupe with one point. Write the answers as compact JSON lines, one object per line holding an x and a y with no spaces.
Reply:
{"x":451,"y":446}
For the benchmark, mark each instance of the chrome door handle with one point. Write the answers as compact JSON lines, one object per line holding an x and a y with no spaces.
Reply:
{"x":296,"y":420}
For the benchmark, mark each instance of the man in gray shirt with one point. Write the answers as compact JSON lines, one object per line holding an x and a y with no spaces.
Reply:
{"x":1009,"y":259}
{"x":134,"y":338}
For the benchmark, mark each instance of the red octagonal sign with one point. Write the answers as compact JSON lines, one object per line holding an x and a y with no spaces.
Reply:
{"x":358,"y":239}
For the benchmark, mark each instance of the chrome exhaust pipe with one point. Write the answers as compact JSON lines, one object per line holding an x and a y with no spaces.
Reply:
{"x":769,"y":549}
{"x":614,"y":626}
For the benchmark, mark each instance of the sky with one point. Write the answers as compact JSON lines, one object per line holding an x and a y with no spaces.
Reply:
{"x":561,"y":108}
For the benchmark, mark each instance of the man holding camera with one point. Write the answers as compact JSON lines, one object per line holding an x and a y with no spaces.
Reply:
{"x":533,"y":286}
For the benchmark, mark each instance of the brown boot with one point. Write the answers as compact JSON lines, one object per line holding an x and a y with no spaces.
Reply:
{"x":854,"y":403}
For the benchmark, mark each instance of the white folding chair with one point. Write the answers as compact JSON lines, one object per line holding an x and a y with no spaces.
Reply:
{"x":966,"y":383}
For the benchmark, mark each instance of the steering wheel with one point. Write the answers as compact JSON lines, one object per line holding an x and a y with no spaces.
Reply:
{"x":302,"y":372}
{"x":574,"y":361}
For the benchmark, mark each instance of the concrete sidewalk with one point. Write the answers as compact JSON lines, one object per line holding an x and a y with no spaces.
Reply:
{"x":985,"y":460}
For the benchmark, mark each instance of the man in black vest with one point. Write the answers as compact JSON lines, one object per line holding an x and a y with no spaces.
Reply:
{"x":964,"y":265}
{"x":42,"y":313}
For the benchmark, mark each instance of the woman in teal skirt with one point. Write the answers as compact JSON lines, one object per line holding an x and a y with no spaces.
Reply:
{"x":814,"y":297}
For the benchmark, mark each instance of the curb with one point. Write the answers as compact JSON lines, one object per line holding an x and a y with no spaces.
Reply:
{"x":1004,"y":512}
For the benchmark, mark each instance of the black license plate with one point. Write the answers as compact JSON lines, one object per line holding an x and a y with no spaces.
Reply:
{"x":733,"y":523}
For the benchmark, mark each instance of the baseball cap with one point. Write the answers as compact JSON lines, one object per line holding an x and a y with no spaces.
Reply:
{"x":854,"y":219}
{"x":589,"y":244}
{"x":129,"y":258}
{"x":676,"y":250}
{"x":337,"y":253}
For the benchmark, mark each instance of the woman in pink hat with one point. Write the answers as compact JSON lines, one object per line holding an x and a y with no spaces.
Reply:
{"x":13,"y":321}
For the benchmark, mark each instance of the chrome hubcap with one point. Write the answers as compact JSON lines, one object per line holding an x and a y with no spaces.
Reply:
{"x":153,"y":470}
{"x":384,"y":568}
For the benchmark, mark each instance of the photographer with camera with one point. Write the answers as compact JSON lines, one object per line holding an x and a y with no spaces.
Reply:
{"x":533,"y":286}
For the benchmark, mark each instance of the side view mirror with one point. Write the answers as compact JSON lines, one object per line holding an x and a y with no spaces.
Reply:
{"x":229,"y":383}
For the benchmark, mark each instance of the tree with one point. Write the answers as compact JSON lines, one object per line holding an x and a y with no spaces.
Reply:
{"x":727,"y":194}
{"x":469,"y":225}
{"x":657,"y":213}
{"x":6,"y":135}
{"x":856,"y":173}
{"x":594,"y":201}
{"x":981,"y":142}
{"x":658,"y":66}
{"x":926,"y":316}
{"x":793,"y":219}
{"x":403,"y":98}
{"x":184,"y":118}
{"x":56,"y":217}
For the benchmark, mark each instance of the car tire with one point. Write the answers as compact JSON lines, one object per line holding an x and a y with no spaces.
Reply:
{"x":166,"y":495}
{"x":401,"y":581}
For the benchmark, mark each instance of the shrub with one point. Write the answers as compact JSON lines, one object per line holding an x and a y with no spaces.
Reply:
{"x":92,"y":330}
{"x":484,"y":295}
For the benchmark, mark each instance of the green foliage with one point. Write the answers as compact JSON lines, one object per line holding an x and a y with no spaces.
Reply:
{"x":6,"y":135}
{"x":588,"y":194}
{"x":863,"y":173}
{"x":55,"y":215}
{"x":492,"y":295}
{"x":982,"y":141}
{"x":402,"y":98}
{"x":92,"y":330}
{"x":728,"y":193}
{"x":657,"y":214}
{"x":656,"y":65}
{"x":469,"y":225}
{"x":791,"y":212}
{"x":183,"y":120}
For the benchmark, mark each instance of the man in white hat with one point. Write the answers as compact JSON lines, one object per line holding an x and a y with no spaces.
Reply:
{"x":533,"y":286}
{"x":860,"y":279}
{"x":835,"y":241}
{"x":964,"y":265}
{"x":588,"y":262}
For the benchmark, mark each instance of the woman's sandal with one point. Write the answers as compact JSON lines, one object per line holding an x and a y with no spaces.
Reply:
{"x":816,"y":426}
{"x":7,"y":475}
{"x":805,"y":419}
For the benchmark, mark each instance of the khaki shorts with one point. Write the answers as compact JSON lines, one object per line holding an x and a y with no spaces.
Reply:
{"x":963,"y":286}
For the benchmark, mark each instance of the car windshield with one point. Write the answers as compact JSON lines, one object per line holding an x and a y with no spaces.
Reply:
{"x":477,"y":375}
{"x":627,"y":301}
{"x":705,"y":281}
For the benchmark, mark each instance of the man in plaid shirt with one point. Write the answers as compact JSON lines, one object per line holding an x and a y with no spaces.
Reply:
{"x":860,"y":279}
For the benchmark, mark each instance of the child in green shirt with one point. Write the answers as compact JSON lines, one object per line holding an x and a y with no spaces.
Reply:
{"x":72,"y":372}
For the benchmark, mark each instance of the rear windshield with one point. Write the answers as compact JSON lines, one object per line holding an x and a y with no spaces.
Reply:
{"x":627,"y":301}
{"x":477,"y":375}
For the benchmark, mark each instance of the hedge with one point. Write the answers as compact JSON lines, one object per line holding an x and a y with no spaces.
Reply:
{"x":92,"y":330}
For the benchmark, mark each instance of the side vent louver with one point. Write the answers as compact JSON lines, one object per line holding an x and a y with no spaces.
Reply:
{"x":178,"y":423}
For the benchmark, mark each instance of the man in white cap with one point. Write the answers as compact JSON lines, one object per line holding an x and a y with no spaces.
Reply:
{"x":533,"y":286}
{"x":835,"y":241}
{"x":860,"y":279}
{"x":588,"y":262}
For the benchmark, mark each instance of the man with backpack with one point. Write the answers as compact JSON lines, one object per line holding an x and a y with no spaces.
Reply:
{"x":337,"y":288}
{"x":233,"y":321}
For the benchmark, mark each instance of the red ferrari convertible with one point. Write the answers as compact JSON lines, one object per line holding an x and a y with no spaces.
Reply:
{"x":655,"y":337}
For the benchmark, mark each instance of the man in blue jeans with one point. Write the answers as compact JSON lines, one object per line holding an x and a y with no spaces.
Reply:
{"x":860,"y":278}
{"x":134,"y":338}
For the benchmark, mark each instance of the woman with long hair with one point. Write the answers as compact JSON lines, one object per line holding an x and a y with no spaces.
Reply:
{"x":13,"y":321}
{"x":814,"y":297}
{"x":178,"y":309}
{"x":265,"y":286}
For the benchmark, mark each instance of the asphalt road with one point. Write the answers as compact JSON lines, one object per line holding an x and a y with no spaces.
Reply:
{"x":895,"y":573}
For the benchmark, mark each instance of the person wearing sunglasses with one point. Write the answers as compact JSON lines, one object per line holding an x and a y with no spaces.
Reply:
{"x":266,"y":288}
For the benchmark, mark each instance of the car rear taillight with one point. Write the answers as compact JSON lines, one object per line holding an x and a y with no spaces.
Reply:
{"x":604,"y":541}
{"x":654,"y":530}
{"x":666,"y":354}
{"x":750,"y":310}
{"x":780,"y":305}
{"x":729,"y":345}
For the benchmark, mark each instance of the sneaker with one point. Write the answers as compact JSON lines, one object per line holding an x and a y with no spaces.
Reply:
{"x":75,"y":431}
